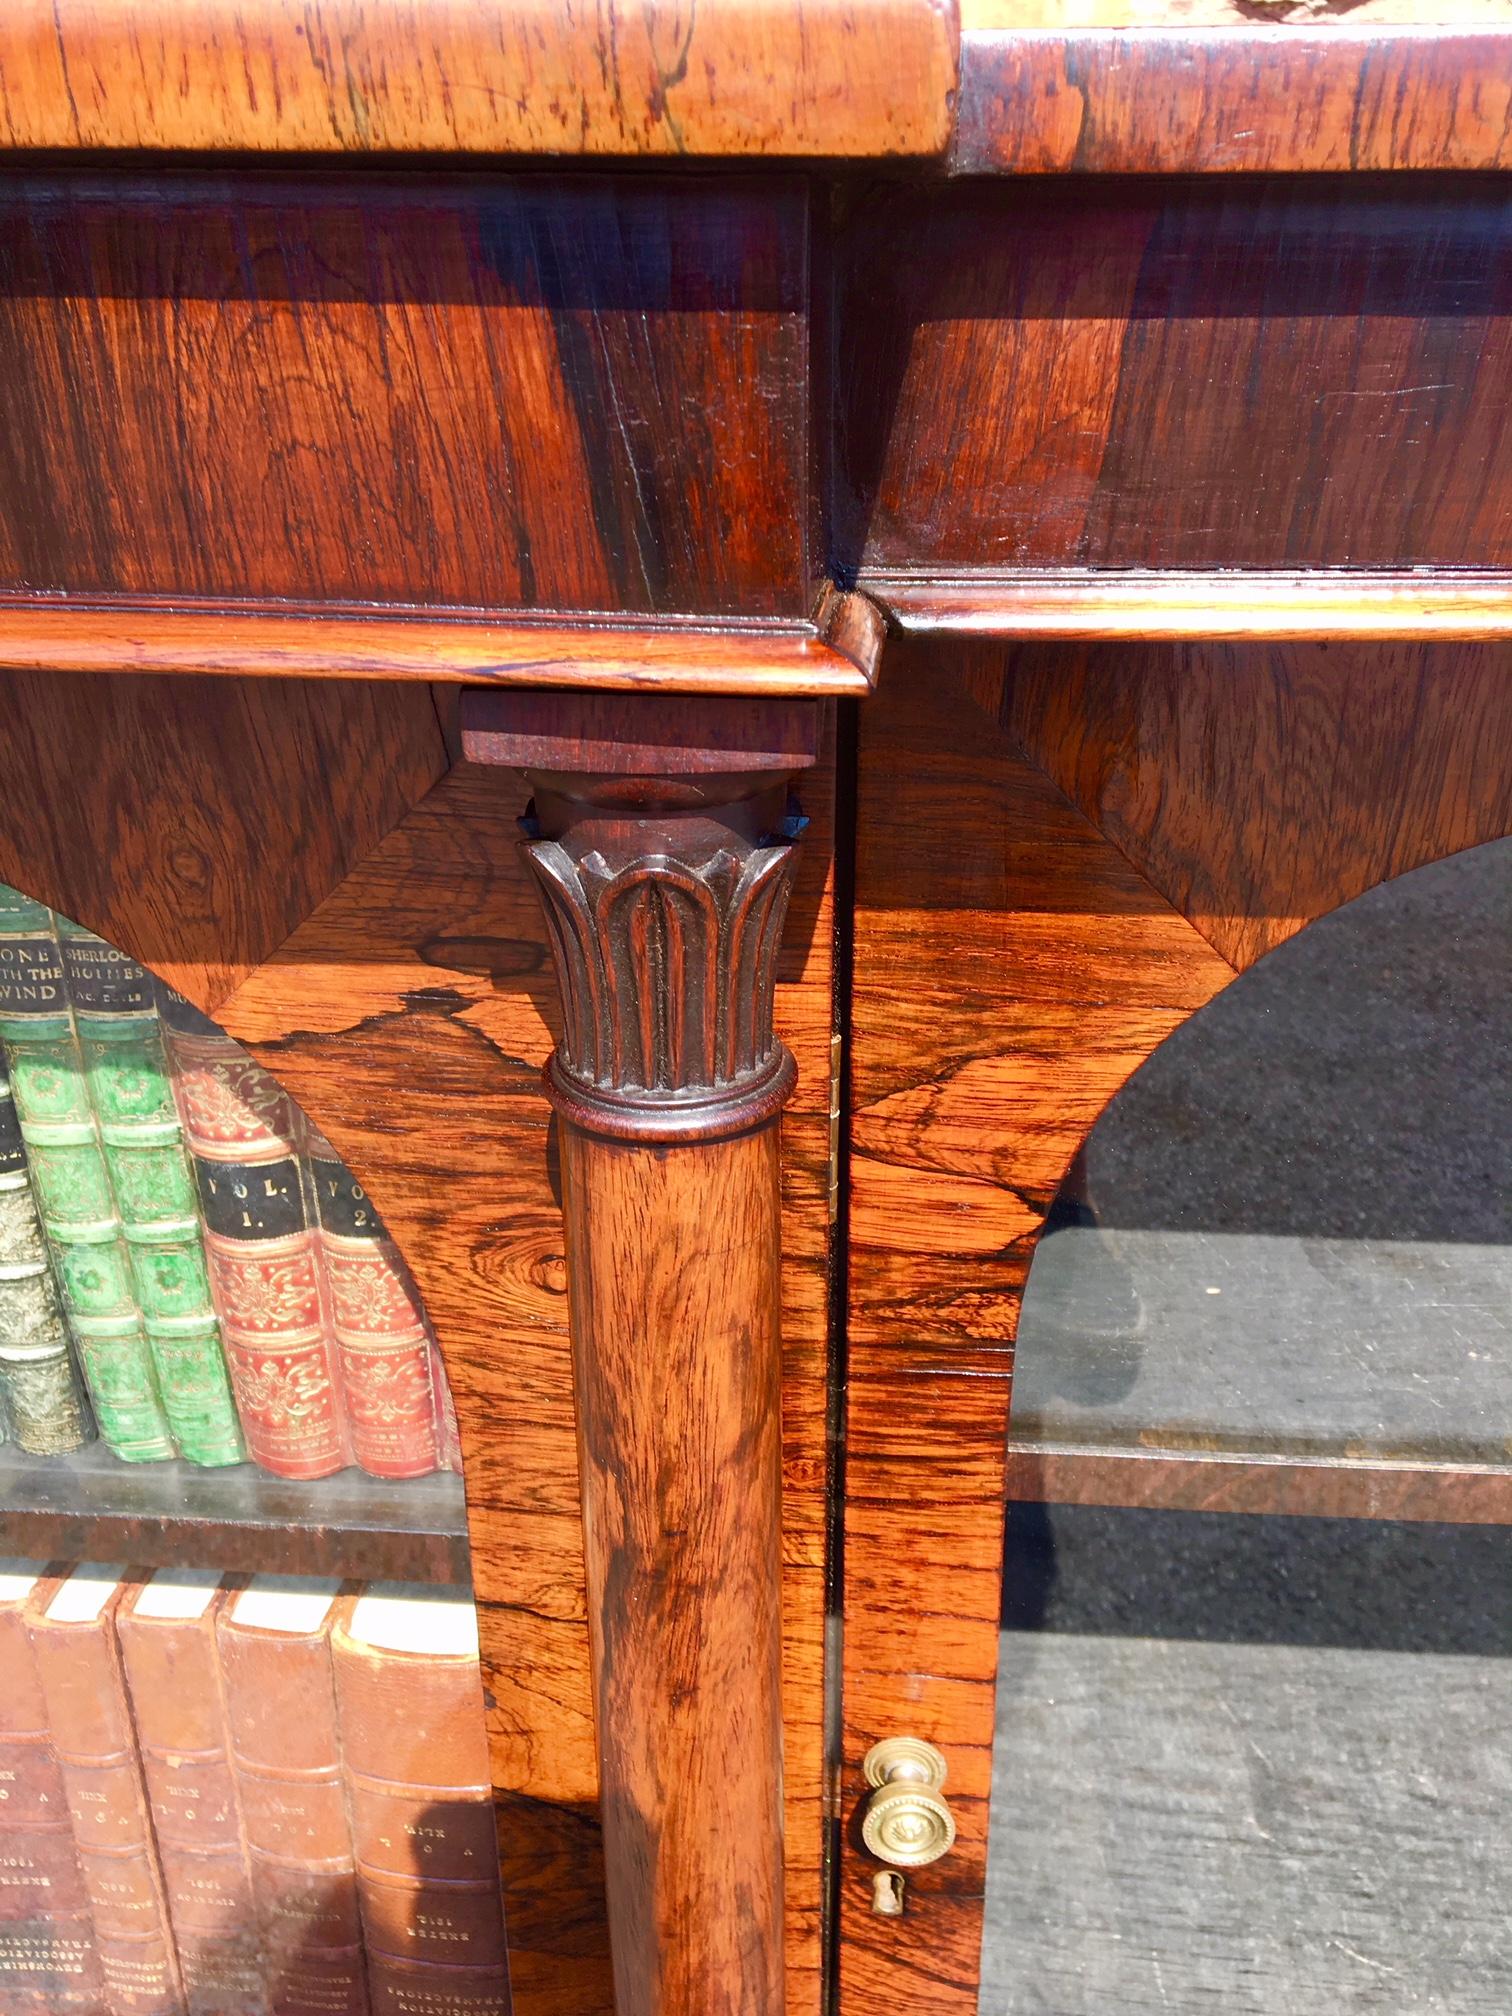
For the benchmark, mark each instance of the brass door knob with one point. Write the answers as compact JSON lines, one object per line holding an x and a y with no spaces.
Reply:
{"x":907,"y":1822}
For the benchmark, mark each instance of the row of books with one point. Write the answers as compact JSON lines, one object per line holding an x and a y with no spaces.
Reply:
{"x":224,"y":1796}
{"x":174,"y":1230}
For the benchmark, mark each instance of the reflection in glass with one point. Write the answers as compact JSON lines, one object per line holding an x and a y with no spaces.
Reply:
{"x":1292,"y":1231}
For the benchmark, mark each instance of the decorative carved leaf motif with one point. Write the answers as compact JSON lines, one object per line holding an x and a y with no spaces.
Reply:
{"x":667,"y":966}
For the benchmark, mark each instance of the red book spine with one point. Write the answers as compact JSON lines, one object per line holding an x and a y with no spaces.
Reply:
{"x":84,"y":1686}
{"x":388,"y":1357}
{"x":262,"y":1247}
{"x":174,"y":1679}
{"x":48,"y":1964}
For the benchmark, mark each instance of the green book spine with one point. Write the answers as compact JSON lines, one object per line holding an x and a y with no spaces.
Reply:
{"x":70,"y":1184}
{"x":151,"y":1181}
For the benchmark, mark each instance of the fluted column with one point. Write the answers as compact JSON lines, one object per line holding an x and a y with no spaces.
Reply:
{"x":661,"y":838}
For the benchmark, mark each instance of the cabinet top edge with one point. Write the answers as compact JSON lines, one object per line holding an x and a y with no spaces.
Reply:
{"x":760,"y":78}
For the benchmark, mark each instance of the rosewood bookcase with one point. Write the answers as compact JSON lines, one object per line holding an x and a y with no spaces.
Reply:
{"x":835,"y":569}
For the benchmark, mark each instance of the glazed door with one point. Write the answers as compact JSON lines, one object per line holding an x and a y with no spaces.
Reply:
{"x":1252,"y":1609}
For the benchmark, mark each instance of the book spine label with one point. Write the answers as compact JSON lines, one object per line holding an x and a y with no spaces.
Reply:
{"x":421,"y":1805}
{"x":181,"y":1727}
{"x":47,"y":1957}
{"x":84,"y":1688}
{"x":266,"y":1279}
{"x":285,"y":1751}
{"x":383,"y":1339}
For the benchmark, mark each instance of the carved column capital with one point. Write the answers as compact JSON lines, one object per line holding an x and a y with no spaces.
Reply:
{"x":665,"y":925}
{"x":661,"y":838}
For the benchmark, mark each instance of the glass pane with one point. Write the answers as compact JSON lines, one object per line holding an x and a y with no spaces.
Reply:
{"x":1292,"y":1231}
{"x":1251,"y":1764}
{"x":175,"y":1230}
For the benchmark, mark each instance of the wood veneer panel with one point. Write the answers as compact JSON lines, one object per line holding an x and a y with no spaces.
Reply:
{"x":411,"y":1014}
{"x":1278,"y":373}
{"x":1011,"y":969}
{"x":529,"y":391}
{"x":195,"y":824}
{"x":1229,"y":91}
{"x":769,"y":77}
{"x":1260,"y":785}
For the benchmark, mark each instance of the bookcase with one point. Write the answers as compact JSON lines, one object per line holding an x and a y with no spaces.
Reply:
{"x":463,"y":473}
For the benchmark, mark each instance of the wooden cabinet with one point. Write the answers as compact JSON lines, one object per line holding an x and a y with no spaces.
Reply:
{"x":940,"y":581}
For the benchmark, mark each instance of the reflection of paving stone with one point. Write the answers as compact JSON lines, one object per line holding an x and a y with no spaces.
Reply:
{"x":1261,"y":1766}
{"x":1292,"y":1810}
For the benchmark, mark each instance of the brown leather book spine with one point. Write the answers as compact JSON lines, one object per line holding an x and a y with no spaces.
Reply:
{"x":174,"y":1679}
{"x":415,"y":1753}
{"x":286,"y":1755}
{"x":84,"y":1686}
{"x":48,"y":1965}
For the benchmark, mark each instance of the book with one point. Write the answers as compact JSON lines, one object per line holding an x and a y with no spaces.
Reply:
{"x":275,"y":1654}
{"x":48,"y":1965}
{"x":415,"y":1755}
{"x":390,"y":1367}
{"x":167,"y":1629}
{"x":70,"y":1184}
{"x":71,"y":1626}
{"x":131,"y":1100}
{"x":42,"y":1406}
{"x":262,"y":1244}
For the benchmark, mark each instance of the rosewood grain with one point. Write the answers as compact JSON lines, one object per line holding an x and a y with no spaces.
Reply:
{"x":1194,"y":97}
{"x":672,"y":1281}
{"x":1284,"y":373}
{"x":271,"y":641}
{"x":762,"y":77}
{"x":659,"y":845}
{"x":524,"y":391}
{"x":1011,"y":969}
{"x":1260,"y":785}
{"x":196,"y":824}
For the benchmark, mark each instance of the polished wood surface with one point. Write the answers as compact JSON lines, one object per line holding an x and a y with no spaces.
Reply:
{"x":836,"y":655}
{"x":1259,"y":786}
{"x":672,"y":1279}
{"x":197,"y":818}
{"x":660,"y":842}
{"x":1278,"y":373}
{"x":410,"y":1014}
{"x":1011,"y":969}
{"x":1332,"y":603}
{"x":758,"y":77}
{"x":525,"y":391}
{"x":1226,"y":91}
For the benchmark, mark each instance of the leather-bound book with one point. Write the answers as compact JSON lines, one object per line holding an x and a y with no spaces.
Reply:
{"x":415,"y":1751}
{"x":72,"y":1631}
{"x":167,"y":1633}
{"x":48,"y":1965}
{"x":275,"y":1654}
{"x":130,"y":1094}
{"x":263,"y":1248}
{"x":387,"y":1357}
